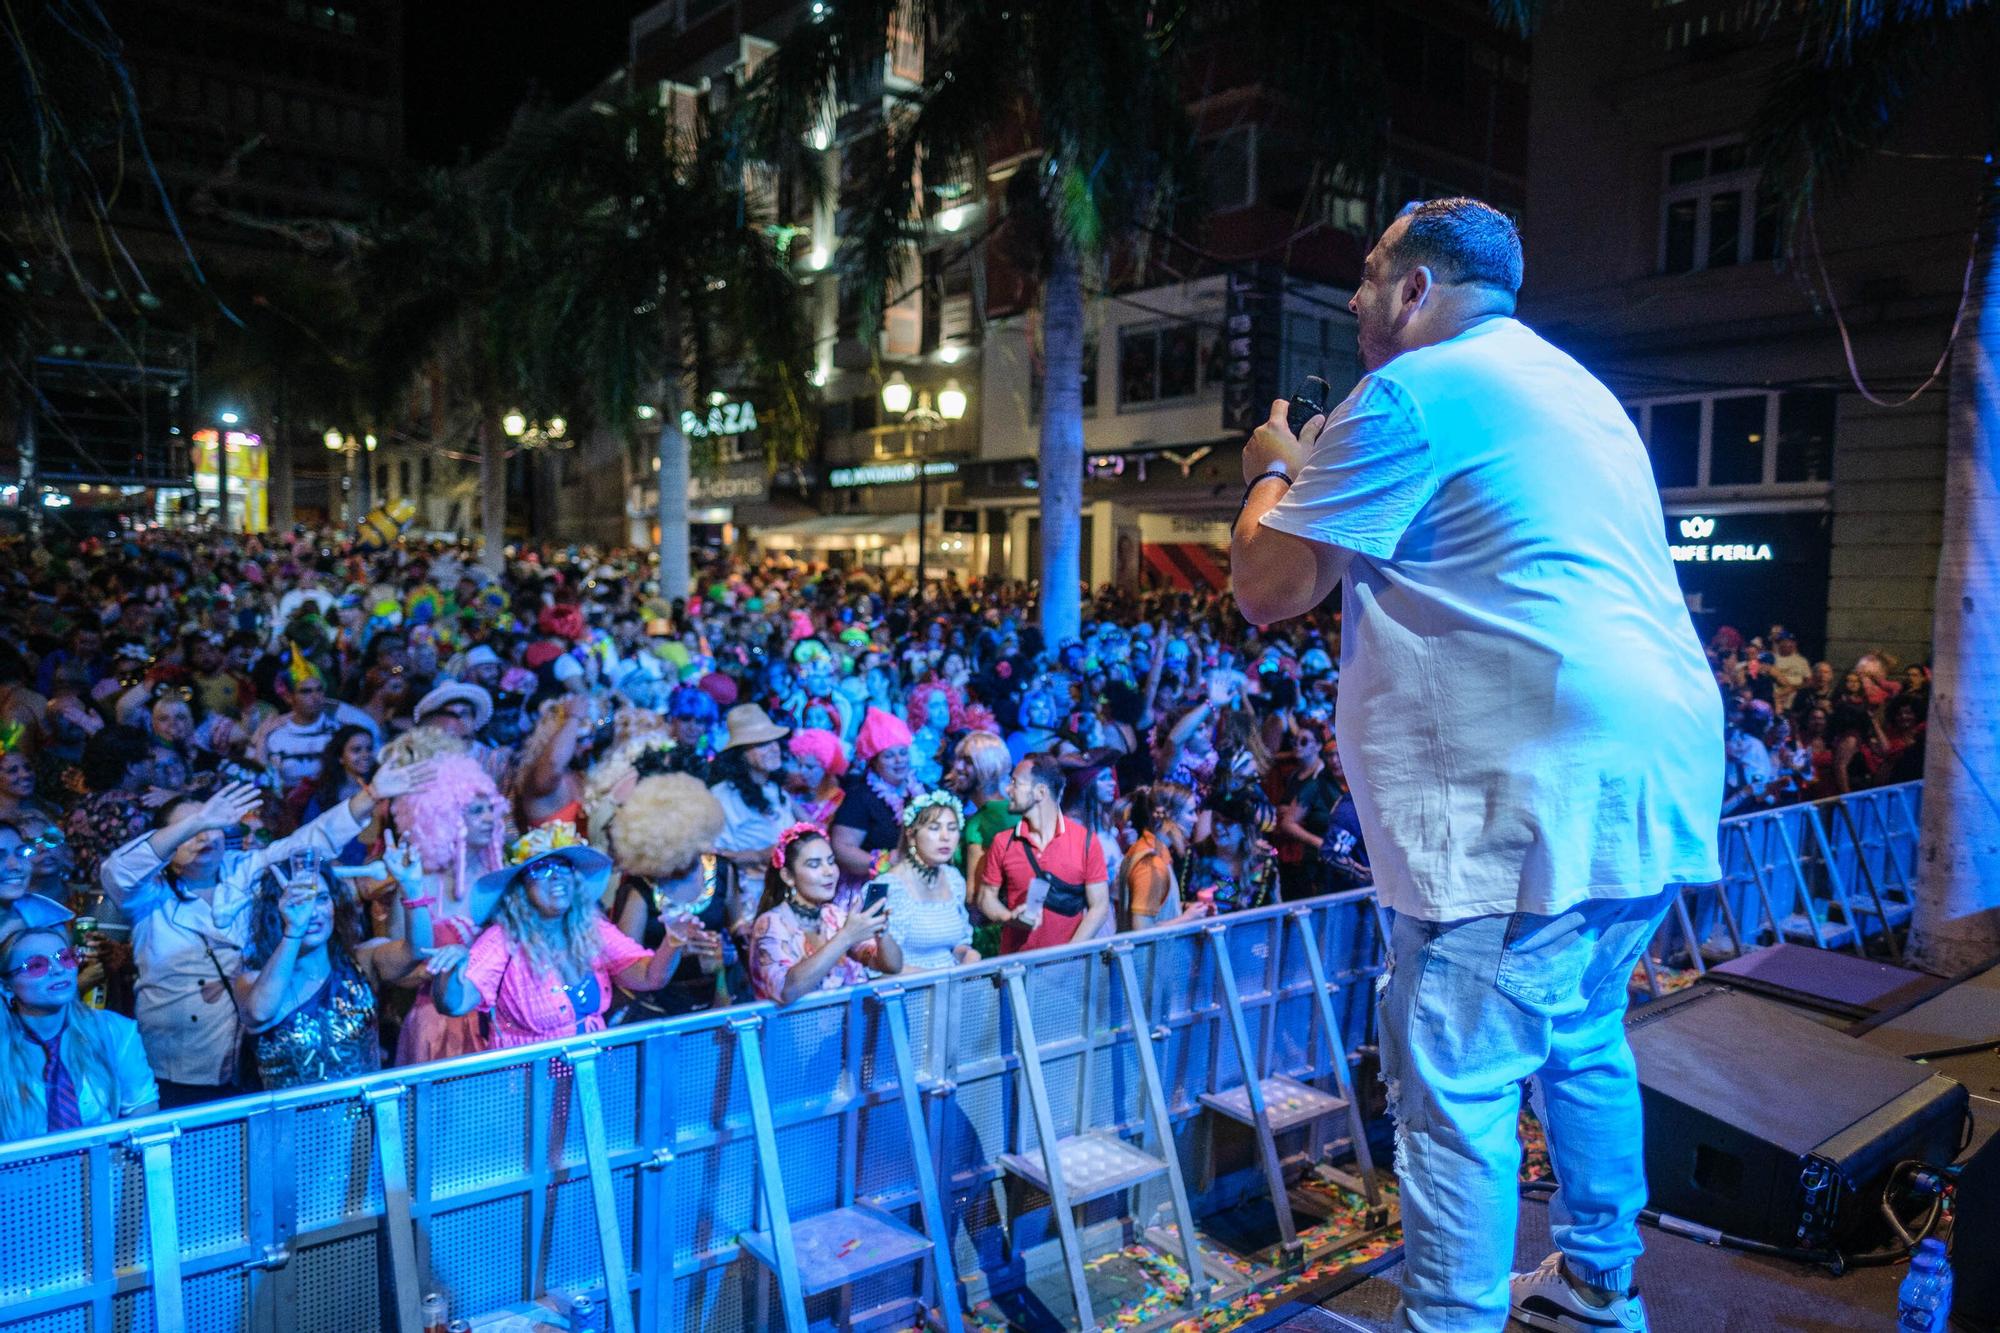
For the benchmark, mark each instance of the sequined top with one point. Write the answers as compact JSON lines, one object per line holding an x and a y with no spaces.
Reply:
{"x":330,"y":1036}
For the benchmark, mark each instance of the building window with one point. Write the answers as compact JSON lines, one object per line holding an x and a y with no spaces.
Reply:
{"x":1710,"y":215}
{"x":1161,"y":363}
{"x":1738,"y":440}
{"x":1228,"y":177}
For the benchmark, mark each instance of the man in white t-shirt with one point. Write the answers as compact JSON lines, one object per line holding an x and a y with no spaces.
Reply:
{"x":1533,"y":739}
{"x":291,"y":745}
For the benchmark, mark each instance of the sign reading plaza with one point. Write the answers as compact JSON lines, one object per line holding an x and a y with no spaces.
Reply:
{"x":728,"y":418}
{"x":1698,"y":549}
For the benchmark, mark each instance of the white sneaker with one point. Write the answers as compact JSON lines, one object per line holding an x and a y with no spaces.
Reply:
{"x":1544,"y":1299}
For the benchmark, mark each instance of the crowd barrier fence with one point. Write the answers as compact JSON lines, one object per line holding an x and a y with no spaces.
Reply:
{"x":1833,"y":874}
{"x":860,"y":1157}
{"x":863,"y":1156}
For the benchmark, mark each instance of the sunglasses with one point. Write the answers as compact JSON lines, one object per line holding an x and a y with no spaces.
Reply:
{"x":50,"y":840}
{"x":42,"y":964}
{"x":543,"y":871}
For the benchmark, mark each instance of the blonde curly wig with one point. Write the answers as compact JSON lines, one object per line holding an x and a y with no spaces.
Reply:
{"x":666,"y":823}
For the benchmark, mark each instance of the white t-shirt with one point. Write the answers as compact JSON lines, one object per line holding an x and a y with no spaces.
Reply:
{"x":1526,"y":716}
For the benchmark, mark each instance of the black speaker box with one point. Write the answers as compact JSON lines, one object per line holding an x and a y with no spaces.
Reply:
{"x":1765,"y":1124}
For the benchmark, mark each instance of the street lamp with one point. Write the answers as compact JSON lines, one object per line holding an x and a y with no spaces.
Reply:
{"x":922,"y":420}
{"x":550,"y":434}
{"x":357,"y":475}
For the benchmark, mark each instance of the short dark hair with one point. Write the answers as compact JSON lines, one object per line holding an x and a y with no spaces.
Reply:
{"x":1460,"y":240}
{"x":1045,"y":769}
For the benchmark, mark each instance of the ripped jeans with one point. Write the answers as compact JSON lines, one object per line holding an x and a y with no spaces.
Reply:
{"x":1469,"y":1010}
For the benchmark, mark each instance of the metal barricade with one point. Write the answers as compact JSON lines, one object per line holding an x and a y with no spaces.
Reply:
{"x":1832,"y":874}
{"x":627,"y":1163}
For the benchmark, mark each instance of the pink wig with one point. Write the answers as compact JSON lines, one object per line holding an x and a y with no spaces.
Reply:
{"x":819,"y":744}
{"x":879,"y":731}
{"x":920,"y":702}
{"x":433,"y":820}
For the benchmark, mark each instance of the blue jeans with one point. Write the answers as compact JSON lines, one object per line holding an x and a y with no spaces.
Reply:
{"x":1468,"y":1011}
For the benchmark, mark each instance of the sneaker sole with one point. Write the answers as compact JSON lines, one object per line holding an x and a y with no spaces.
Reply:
{"x":1560,"y":1321}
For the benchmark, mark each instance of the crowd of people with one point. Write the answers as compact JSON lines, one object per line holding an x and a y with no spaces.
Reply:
{"x":1798,"y":730}
{"x":281,"y":810}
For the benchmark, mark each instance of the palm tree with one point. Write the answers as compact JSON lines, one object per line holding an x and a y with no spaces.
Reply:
{"x":433,"y":270}
{"x":598,"y":260}
{"x":1856,"y":70}
{"x":1100,"y":88}
{"x":1093,"y":81}
{"x":655,"y":278}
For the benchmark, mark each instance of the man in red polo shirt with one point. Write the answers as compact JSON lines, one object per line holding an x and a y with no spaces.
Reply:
{"x":1062,"y":854}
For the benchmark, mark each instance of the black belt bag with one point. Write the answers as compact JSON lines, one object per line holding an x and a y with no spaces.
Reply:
{"x":1065,"y":898}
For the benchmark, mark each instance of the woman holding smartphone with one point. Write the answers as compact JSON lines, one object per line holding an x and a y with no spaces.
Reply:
{"x":802,"y":940}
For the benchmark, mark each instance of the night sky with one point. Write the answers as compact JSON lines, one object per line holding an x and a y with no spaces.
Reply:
{"x":469,"y":63}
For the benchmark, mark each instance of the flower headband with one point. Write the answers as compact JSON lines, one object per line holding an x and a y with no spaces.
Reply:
{"x":790,"y":836}
{"x":547,"y":838}
{"x":930,"y":799}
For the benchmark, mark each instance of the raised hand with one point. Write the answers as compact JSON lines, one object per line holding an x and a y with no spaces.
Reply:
{"x":402,"y":864}
{"x":445,"y":959}
{"x":230,"y":806}
{"x":393,"y":782}
{"x":295,"y":908}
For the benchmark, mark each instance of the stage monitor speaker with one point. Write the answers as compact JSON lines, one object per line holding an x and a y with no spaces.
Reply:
{"x":1765,"y":1124}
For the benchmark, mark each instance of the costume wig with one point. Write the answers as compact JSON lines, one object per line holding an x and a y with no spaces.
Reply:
{"x":665,"y":824}
{"x":433,"y":822}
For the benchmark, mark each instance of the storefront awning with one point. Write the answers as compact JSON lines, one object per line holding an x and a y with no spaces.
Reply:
{"x":835,"y":532}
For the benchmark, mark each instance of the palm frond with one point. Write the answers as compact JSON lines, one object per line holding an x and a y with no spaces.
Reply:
{"x":1827,"y":106}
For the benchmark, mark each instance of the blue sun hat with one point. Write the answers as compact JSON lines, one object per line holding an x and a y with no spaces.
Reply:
{"x":550,"y":843}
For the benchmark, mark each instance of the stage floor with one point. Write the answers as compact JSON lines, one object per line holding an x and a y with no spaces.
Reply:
{"x":1689,"y":1288}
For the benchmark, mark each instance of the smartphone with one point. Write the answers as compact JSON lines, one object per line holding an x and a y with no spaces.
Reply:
{"x":1307,"y":401}
{"x":876,"y":891}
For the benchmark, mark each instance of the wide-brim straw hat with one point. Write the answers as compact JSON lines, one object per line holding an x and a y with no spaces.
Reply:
{"x":750,"y":725}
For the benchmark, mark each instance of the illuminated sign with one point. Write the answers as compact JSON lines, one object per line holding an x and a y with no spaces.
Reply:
{"x":1697,"y":528}
{"x":722,"y":419}
{"x":1698,"y":550}
{"x":887,"y":474}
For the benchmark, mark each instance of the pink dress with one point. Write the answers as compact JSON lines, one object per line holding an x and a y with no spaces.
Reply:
{"x":529,"y":1003}
{"x":428,"y":1034}
{"x":778,"y":943}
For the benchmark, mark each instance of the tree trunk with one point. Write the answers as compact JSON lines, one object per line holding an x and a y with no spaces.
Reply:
{"x":492,"y":498}
{"x":1062,"y":450}
{"x":674,"y":481}
{"x":1957,"y":921}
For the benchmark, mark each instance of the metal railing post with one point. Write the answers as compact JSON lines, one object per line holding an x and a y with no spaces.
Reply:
{"x":156,"y":1155}
{"x":385,"y":1107}
{"x":603,"y":1189}
{"x":944,"y":1274}
{"x":1157,"y":1118}
{"x":1050,"y":1146}
{"x":771,"y":1179}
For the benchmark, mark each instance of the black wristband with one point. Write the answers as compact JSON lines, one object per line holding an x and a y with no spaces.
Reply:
{"x":1279,"y":473}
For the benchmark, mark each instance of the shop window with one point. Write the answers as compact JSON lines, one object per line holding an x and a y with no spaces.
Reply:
{"x":1159,"y":363}
{"x":1710,"y":213}
{"x":1738,"y":440}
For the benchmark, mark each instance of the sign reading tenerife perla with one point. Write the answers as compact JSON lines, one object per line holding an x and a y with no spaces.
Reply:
{"x":1699,"y":547}
{"x":727,"y":418}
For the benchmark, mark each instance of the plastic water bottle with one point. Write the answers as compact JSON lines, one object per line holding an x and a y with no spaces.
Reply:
{"x":1923,"y":1305}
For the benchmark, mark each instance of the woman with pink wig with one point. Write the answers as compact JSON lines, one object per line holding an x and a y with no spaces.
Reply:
{"x":456,"y":826}
{"x":936,"y":709}
{"x":812,"y":774}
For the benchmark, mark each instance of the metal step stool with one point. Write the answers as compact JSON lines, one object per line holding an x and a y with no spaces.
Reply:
{"x":1270,"y":1104}
{"x":1091,"y":1164}
{"x":843,"y":1245}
